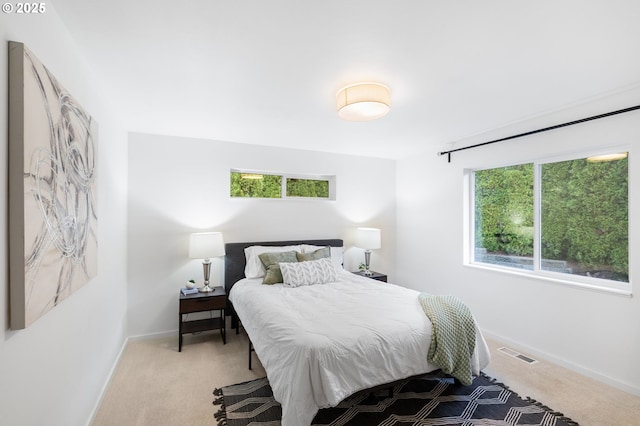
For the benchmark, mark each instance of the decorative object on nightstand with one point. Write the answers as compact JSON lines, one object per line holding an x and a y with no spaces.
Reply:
{"x":216,"y":299}
{"x":186,"y":291}
{"x":205,"y":245}
{"x":373,"y":275}
{"x":368,"y":239}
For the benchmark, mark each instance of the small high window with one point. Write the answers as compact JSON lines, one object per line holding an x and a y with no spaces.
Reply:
{"x":267,"y":185}
{"x":314,"y":188}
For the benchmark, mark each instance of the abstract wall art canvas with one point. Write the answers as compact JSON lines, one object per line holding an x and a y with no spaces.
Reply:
{"x":52,"y":190}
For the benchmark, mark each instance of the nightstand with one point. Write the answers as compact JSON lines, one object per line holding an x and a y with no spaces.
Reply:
{"x":202,"y":302}
{"x":374,"y":275}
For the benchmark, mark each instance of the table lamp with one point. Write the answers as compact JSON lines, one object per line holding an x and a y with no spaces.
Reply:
{"x":368,"y":239}
{"x":205,"y":245}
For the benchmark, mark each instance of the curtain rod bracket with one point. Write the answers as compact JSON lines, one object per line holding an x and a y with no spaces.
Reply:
{"x":447,"y":153}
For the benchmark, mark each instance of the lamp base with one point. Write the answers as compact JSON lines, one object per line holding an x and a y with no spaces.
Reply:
{"x":367,"y":259}
{"x":206,"y":268}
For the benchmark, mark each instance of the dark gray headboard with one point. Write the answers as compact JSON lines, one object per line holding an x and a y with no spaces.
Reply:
{"x":235,"y":260}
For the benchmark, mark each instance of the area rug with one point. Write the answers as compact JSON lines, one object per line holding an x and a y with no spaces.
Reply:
{"x":429,"y":400}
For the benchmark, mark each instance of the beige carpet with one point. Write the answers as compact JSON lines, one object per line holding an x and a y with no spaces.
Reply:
{"x":154,"y":384}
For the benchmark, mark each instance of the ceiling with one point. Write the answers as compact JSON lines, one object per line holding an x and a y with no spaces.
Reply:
{"x":267,"y":71}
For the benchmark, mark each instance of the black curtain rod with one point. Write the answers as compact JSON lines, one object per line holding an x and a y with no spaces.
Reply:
{"x":532,"y":132}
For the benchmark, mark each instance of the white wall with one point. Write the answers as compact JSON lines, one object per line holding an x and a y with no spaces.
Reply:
{"x":54,"y":371}
{"x":592,"y":332}
{"x":180,"y":185}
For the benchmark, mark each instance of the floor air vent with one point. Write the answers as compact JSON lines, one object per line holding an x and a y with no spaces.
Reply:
{"x":518,"y":355}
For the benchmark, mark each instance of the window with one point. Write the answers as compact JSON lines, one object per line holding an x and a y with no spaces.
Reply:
{"x":566,"y":220}
{"x":315,"y":188}
{"x":256,"y":185}
{"x":264,"y":185}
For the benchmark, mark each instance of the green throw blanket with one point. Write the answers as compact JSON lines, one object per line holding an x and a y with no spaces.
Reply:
{"x":453,"y":338}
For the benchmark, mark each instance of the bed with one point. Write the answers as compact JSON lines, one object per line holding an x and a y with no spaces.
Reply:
{"x":321,"y":343}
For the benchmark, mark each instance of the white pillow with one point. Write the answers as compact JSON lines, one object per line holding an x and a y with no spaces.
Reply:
{"x":254,"y":268}
{"x":311,"y":272}
{"x":337,"y":253}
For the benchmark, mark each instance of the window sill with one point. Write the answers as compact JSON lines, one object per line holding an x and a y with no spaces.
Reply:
{"x":540,"y":276}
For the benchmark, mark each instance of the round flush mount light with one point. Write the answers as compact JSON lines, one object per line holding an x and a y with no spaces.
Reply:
{"x":363,"y":101}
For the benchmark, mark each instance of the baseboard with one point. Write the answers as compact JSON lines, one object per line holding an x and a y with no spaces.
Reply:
{"x":159,"y":335}
{"x":107,"y":382}
{"x":625,"y":387}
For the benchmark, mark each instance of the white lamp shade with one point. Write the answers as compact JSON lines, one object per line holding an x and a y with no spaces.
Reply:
{"x":205,"y":245}
{"x":363,"y":101}
{"x":368,"y":238}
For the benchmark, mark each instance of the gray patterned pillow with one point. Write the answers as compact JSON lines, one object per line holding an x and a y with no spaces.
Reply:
{"x":311,"y":272}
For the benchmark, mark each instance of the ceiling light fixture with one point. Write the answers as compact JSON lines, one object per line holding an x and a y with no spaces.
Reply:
{"x":363,"y":101}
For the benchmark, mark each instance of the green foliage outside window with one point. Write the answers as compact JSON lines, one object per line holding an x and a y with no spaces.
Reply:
{"x":307,"y":188}
{"x":504,"y":210}
{"x":584,"y":215}
{"x":256,"y":185}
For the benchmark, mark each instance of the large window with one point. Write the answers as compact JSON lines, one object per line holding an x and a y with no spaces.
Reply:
{"x":564,"y":219}
{"x":265,"y":185}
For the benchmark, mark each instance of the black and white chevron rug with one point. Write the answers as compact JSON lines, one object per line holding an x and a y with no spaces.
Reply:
{"x":429,"y":400}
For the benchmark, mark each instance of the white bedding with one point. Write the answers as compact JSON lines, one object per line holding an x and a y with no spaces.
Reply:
{"x":321,"y":343}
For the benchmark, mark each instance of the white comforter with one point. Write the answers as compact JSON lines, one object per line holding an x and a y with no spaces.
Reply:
{"x":321,"y":343}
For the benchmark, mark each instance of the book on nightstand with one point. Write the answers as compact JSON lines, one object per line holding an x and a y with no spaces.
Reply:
{"x":186,"y":291}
